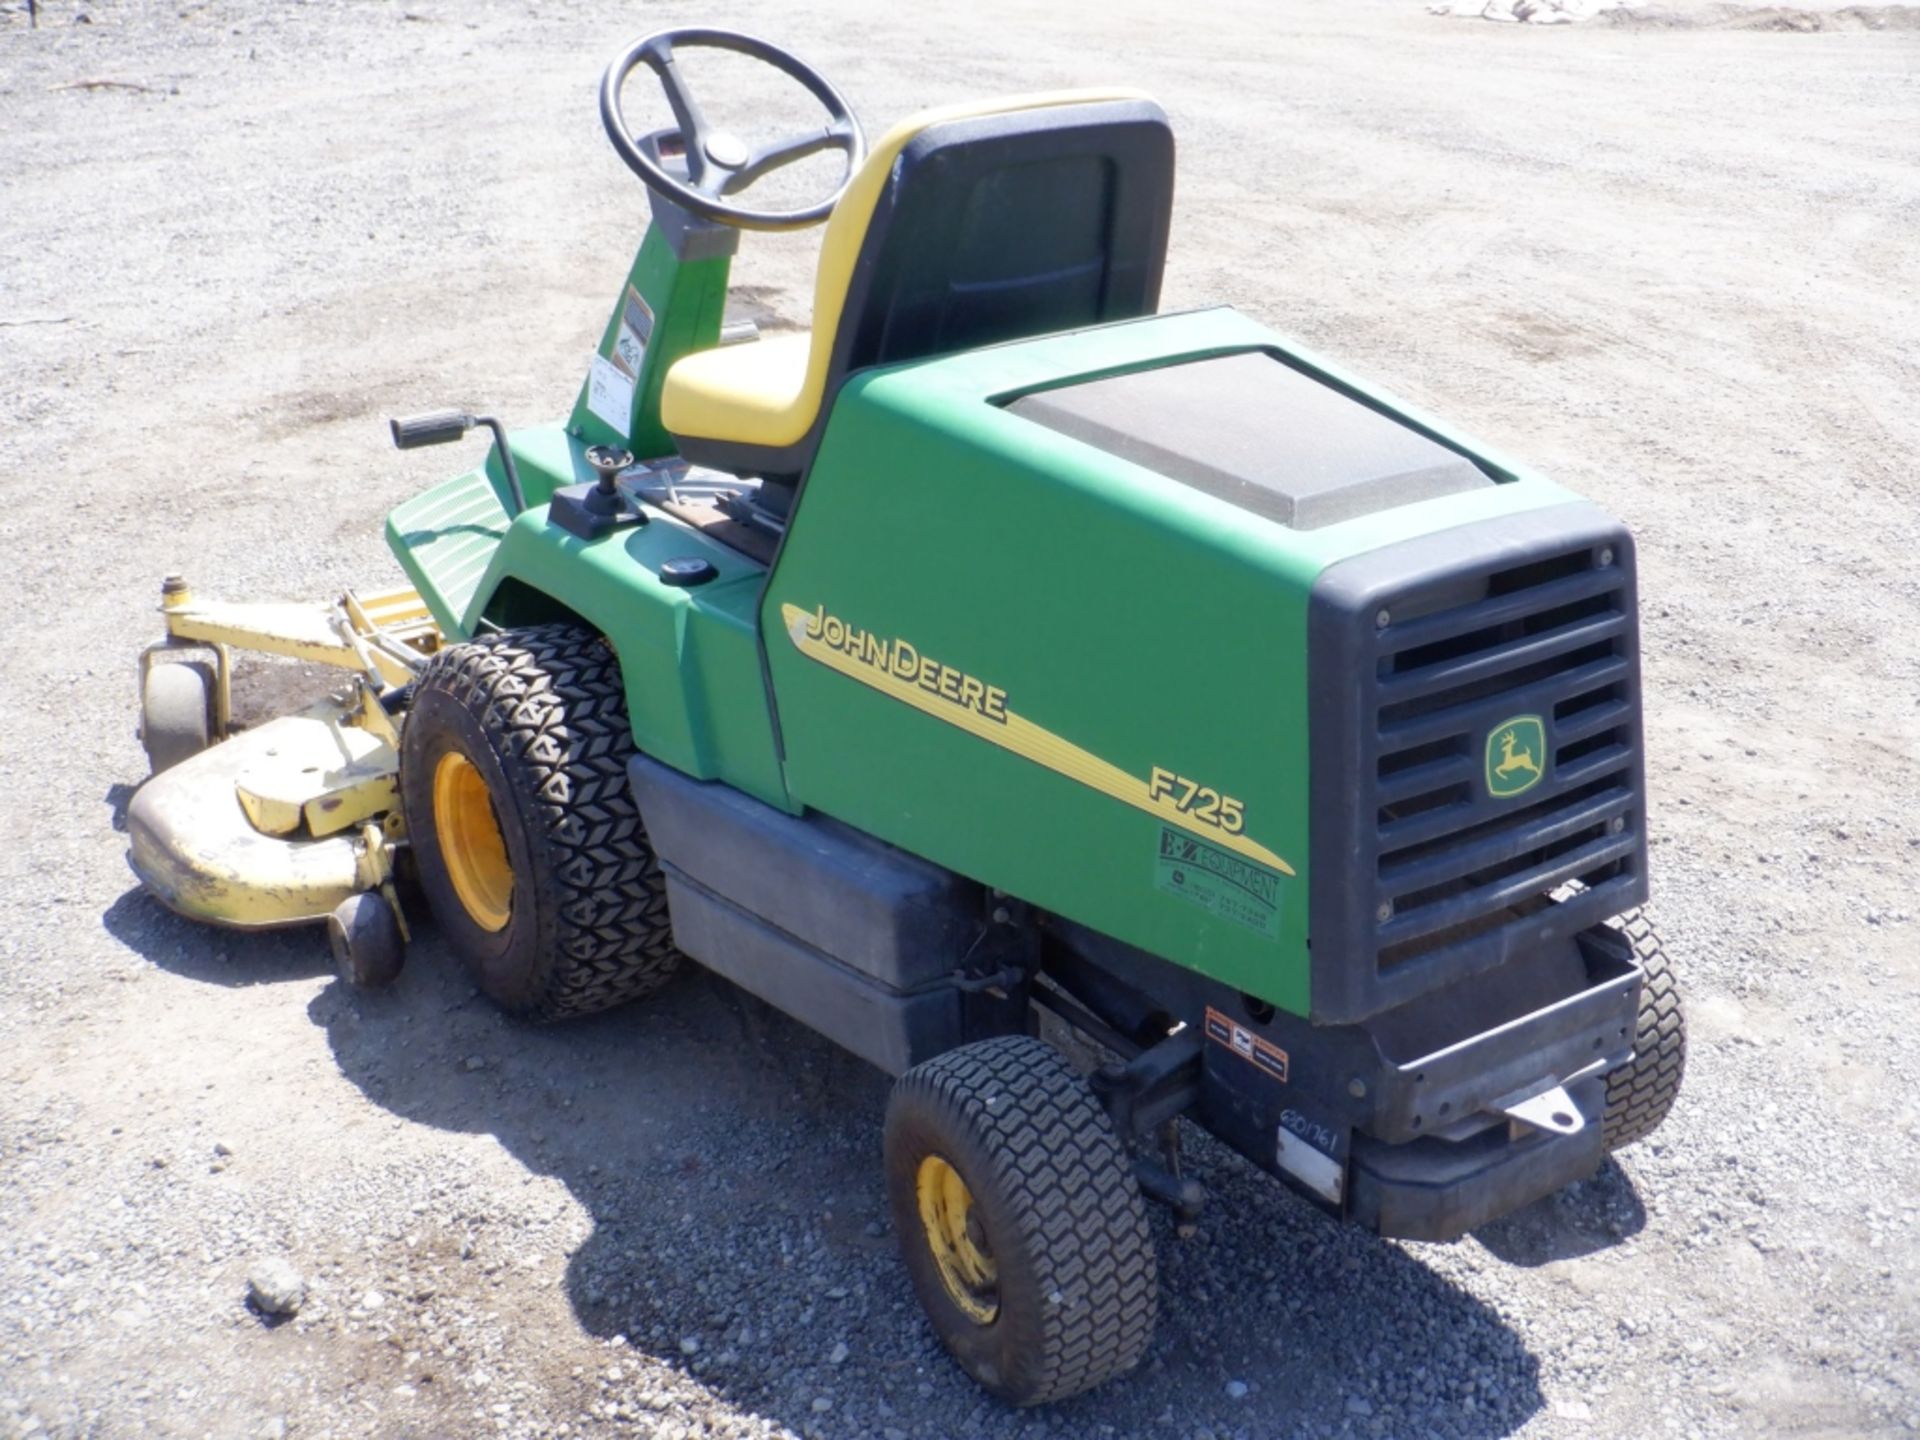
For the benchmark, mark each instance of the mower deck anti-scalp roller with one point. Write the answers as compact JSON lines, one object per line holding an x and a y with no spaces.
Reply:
{"x":998,"y":671}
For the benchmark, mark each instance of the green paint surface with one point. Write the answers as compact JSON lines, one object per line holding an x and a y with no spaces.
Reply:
{"x":681,"y":305}
{"x":1132,"y":618}
{"x":690,"y":658}
{"x":1130,"y":615}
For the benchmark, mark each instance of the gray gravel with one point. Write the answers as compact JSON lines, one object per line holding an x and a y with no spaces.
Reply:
{"x":1674,"y":267}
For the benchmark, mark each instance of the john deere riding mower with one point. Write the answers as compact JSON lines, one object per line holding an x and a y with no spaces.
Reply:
{"x":1001,"y":657}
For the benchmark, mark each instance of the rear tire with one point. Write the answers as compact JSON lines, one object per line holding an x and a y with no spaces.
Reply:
{"x":176,"y":711}
{"x":513,"y":772}
{"x":1019,"y":1219}
{"x":1641,"y":1092}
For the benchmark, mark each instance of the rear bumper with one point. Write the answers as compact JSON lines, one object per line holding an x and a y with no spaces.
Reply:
{"x":1438,"y":1158}
{"x":1439,"y":1190}
{"x":1441,"y":1116}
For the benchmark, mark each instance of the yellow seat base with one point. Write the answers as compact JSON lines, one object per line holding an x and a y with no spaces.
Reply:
{"x":754,"y":394}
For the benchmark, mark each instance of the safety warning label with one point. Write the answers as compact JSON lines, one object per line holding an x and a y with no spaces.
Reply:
{"x":1226,"y":1031}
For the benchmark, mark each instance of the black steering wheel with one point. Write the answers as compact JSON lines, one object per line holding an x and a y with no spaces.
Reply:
{"x":717,"y":163}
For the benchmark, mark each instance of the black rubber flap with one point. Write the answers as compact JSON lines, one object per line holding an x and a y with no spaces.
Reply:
{"x":1253,"y":431}
{"x":899,"y":920}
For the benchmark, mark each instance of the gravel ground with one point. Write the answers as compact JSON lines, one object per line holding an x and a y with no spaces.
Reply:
{"x":1672,"y":263}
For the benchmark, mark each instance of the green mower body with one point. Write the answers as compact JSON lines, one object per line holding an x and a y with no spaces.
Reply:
{"x":1253,"y":753}
{"x":949,"y":550}
{"x":1138,"y":678}
{"x":1097,"y":718}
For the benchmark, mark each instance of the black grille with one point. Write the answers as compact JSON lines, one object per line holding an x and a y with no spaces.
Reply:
{"x":1527,"y":620}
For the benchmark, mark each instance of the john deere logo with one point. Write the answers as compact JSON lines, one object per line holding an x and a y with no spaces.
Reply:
{"x":1516,"y":756}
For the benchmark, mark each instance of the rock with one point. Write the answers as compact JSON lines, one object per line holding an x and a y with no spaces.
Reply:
{"x":689,"y":1345}
{"x":1359,"y":1405}
{"x":474,"y":1062}
{"x":838,"y":1355}
{"x":222,"y":1150}
{"x":1236,"y":1389}
{"x":274,"y":1287}
{"x":822,"y":1404}
{"x":372,"y":1300}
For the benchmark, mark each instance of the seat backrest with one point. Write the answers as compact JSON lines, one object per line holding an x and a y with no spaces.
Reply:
{"x":971,"y":225}
{"x":1036,"y":214}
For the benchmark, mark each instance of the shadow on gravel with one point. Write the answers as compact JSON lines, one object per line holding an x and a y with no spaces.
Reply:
{"x":729,"y":1161}
{"x":1595,"y":1214}
{"x":215,"y":957}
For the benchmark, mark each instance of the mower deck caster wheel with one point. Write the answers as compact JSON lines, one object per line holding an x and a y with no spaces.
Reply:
{"x":176,"y":712}
{"x":365,"y":936}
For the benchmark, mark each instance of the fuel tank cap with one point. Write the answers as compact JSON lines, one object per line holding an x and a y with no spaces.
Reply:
{"x":687,"y":570}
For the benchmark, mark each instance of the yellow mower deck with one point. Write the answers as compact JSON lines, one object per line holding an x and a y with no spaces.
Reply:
{"x":195,"y":842}
{"x":281,"y":824}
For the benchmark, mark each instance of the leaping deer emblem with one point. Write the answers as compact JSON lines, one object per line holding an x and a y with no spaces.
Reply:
{"x":1513,"y":760}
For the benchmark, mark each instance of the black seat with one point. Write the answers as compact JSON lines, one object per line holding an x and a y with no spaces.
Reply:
{"x":1044,"y":215}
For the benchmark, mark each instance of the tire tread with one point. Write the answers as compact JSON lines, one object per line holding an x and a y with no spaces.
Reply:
{"x":1641,"y":1092}
{"x":553,"y":699}
{"x":1070,"y":1187}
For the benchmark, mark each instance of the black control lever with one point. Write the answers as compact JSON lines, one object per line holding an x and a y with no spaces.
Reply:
{"x":443,"y":427}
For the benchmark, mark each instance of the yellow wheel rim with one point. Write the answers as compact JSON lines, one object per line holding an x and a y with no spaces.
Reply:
{"x":958,"y":1240}
{"x":471,"y":844}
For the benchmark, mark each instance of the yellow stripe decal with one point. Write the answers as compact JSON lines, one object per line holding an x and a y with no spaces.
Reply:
{"x":980,"y":710}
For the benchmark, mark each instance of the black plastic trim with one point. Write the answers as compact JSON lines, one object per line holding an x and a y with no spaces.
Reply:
{"x":1439,"y":1190}
{"x":884,"y":1027}
{"x":904,"y":923}
{"x":1418,"y":650}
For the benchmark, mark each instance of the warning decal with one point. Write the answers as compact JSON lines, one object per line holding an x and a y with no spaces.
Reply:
{"x":631,"y":334}
{"x":1247,"y":1045}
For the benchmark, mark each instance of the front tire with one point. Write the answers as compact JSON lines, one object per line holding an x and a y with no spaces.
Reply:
{"x":1019,"y":1219}
{"x":513,"y":773}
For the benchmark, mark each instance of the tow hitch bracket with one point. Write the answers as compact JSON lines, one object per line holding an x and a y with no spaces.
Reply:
{"x":1551,"y":1110}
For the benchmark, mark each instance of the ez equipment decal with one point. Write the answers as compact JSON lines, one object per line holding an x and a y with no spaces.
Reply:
{"x":900,"y":670}
{"x":1219,"y":883}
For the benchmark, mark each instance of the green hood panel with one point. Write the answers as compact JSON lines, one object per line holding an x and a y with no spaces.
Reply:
{"x":1062,"y":674}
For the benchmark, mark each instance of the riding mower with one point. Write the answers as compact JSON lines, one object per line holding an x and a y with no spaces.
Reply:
{"x":1001,"y":658}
